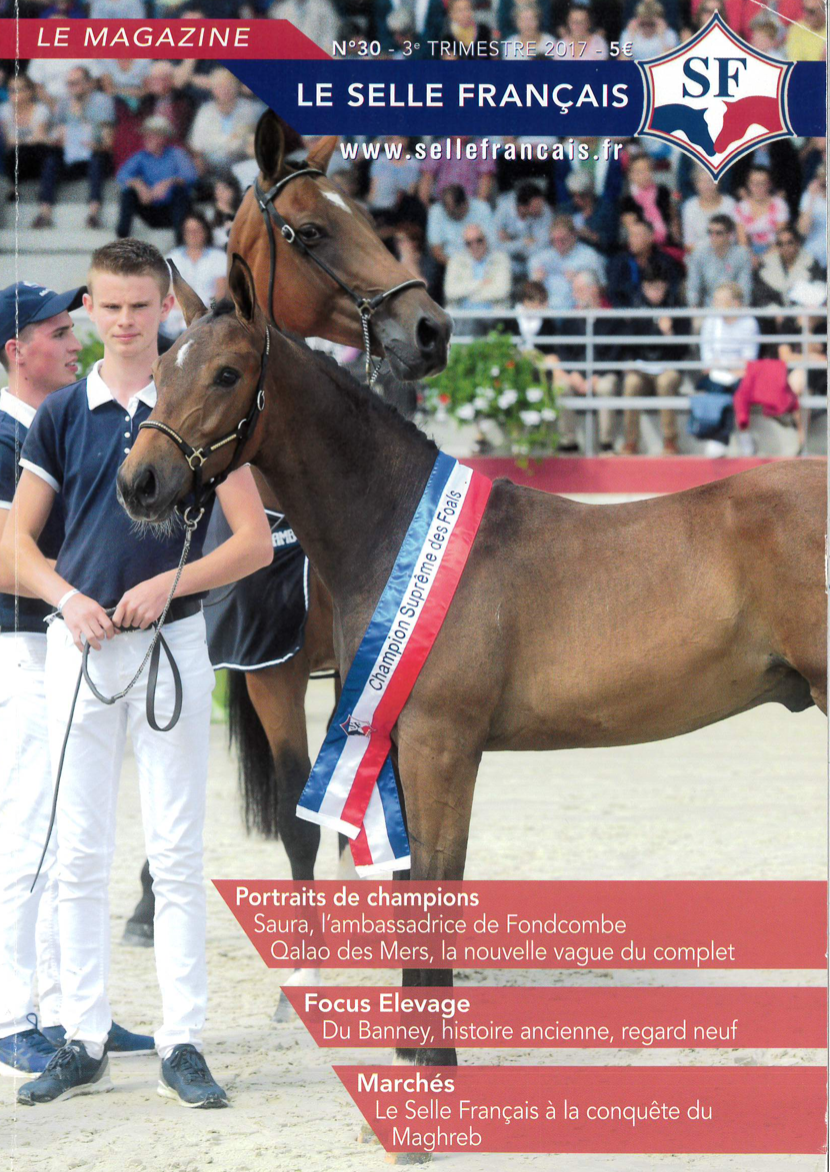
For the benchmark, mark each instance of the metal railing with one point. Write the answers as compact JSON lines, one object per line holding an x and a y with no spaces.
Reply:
{"x":590,"y":403}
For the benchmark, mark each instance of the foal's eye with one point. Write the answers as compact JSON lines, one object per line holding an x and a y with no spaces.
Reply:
{"x":227,"y":377}
{"x":310,"y":233}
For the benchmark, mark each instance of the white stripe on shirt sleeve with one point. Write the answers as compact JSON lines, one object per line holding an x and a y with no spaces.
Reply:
{"x":44,"y":475}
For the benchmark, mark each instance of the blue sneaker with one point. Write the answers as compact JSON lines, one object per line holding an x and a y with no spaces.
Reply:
{"x":185,"y":1077}
{"x":25,"y":1053}
{"x":121,"y":1043}
{"x":70,"y":1071}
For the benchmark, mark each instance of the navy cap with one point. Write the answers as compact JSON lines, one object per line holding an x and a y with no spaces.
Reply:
{"x":25,"y":302}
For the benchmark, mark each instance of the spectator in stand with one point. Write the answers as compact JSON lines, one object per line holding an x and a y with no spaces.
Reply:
{"x":578,"y":32}
{"x":477,"y":278}
{"x":718,"y":261}
{"x":162,"y":96}
{"x":50,"y":75}
{"x":411,"y":251}
{"x":812,"y":219}
{"x":394,"y":182}
{"x":533,"y":320}
{"x":698,"y":211}
{"x":727,"y":344}
{"x":523,"y":222}
{"x":652,"y":373}
{"x":701,"y":16}
{"x":529,"y":40}
{"x":447,"y":220}
{"x":650,"y":200}
{"x":813,"y":381}
{"x":587,"y":295}
{"x":784,"y":266}
{"x":81,"y":134}
{"x":595,"y":219}
{"x":765,"y":36}
{"x":221,"y":127}
{"x":156,"y":181}
{"x":518,"y":163}
{"x":24,"y":123}
{"x":318,"y":19}
{"x":123,"y":79}
{"x":807,"y":38}
{"x":227,"y":196}
{"x":462,"y":28}
{"x":505,"y":15}
{"x":760,"y":213}
{"x":625,"y":268}
{"x":117,"y":10}
{"x":475,"y":175}
{"x":202,"y":266}
{"x":648,"y":33}
{"x":558,"y":265}
{"x":739,"y":14}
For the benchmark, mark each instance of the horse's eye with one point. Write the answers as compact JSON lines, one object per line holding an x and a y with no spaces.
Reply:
{"x":227,"y":377}
{"x":310,"y":233}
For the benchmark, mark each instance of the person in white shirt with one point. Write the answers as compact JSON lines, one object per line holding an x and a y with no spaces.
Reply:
{"x":201,"y":264}
{"x":727,"y":344}
{"x":697,"y":212}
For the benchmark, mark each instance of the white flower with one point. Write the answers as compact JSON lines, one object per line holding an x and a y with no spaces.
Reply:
{"x":440,"y":414}
{"x":487,"y":393}
{"x":481,"y":403}
{"x":466,"y":412}
{"x":548,"y":414}
{"x":507,"y":399}
{"x":495,"y":371}
{"x":534,"y":394}
{"x":530,"y":418}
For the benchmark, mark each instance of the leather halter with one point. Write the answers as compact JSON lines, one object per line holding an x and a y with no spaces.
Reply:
{"x":198,"y":457}
{"x":366,"y":306}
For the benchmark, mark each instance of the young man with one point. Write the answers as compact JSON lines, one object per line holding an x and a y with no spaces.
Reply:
{"x":38,"y":348}
{"x":73,"y":451}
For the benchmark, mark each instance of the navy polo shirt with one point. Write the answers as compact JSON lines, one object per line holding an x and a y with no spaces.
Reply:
{"x":15,"y":419}
{"x":78,"y":440}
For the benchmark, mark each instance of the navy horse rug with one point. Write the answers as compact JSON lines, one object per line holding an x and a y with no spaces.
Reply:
{"x":259,"y":621}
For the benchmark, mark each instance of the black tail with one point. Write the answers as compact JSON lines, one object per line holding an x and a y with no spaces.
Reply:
{"x":257,"y":776}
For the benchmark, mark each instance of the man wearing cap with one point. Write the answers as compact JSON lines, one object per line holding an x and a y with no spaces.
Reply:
{"x":39,"y":349}
{"x":155,"y":182}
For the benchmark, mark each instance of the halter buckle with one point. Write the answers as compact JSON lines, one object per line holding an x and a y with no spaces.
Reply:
{"x":189,"y":521}
{"x":260,"y":399}
{"x":288,"y":233}
{"x":196,"y":459}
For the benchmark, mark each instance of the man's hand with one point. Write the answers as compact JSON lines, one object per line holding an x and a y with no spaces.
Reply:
{"x":142,"y":605}
{"x":87,"y":621}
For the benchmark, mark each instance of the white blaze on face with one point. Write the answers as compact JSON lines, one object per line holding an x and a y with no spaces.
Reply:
{"x":335,"y":198}
{"x":182,"y":354}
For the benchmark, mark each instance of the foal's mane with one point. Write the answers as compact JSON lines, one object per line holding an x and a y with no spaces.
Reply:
{"x":364,"y":403}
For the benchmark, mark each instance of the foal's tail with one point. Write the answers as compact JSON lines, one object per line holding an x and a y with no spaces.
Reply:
{"x":257,"y":775}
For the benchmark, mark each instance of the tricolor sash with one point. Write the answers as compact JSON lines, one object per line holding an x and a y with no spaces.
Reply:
{"x":352,"y":785}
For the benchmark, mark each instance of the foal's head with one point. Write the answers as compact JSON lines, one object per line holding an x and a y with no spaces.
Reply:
{"x":409,"y":328}
{"x":206,"y":384}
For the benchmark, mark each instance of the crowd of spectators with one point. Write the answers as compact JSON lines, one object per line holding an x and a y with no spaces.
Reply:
{"x":171,"y":143}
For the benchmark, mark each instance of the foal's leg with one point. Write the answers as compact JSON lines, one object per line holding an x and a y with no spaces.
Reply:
{"x":138,"y":931}
{"x":438,"y":784}
{"x":278,"y":696}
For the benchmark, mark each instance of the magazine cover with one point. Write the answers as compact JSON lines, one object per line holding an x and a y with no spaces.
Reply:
{"x":413,"y":613}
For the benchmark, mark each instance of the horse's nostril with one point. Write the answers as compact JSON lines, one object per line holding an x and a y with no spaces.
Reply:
{"x":428,"y":335}
{"x":146,"y":486}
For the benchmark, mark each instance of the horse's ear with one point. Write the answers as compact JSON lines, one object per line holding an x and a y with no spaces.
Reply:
{"x":242,"y":290}
{"x":320,"y":154}
{"x":191,"y":303}
{"x":269,"y":145}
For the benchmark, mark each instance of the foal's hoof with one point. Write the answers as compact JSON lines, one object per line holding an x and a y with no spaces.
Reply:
{"x":408,"y":1158}
{"x":284,"y":1011}
{"x":137,"y":934}
{"x":365,"y":1135}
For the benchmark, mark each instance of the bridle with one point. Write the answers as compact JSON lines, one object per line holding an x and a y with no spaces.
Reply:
{"x":366,"y":306}
{"x":198,"y":457}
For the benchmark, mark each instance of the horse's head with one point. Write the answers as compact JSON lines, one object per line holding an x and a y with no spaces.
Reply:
{"x":207,"y":382}
{"x":408,"y":327}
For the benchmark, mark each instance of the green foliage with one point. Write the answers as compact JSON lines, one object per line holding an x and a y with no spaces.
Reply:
{"x":490,"y":378}
{"x":91,"y":351}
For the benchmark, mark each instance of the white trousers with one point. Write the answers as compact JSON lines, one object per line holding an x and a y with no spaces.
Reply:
{"x":28,"y":920}
{"x":172,"y":775}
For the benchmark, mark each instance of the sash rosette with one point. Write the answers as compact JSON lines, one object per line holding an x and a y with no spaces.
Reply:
{"x":352,"y":785}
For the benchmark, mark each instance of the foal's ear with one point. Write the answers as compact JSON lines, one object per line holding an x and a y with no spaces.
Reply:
{"x":242,"y":290}
{"x":189,"y":300}
{"x":269,"y":145}
{"x":320,"y":154}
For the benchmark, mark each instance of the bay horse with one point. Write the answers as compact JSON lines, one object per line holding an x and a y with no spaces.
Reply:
{"x":267,"y":707}
{"x":573,"y":625}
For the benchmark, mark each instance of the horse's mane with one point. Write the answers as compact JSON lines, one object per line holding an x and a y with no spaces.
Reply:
{"x":360,"y":398}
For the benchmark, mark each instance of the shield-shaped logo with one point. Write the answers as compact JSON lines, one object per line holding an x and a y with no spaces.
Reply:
{"x":354,"y":727}
{"x":715,"y":97}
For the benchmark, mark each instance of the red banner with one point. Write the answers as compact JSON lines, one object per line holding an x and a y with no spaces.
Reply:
{"x":764,"y":1110}
{"x":206,"y":40}
{"x":533,"y":924}
{"x":553,"y":1016}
